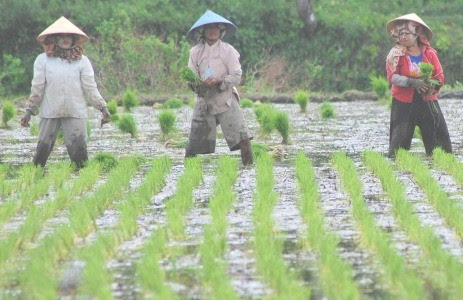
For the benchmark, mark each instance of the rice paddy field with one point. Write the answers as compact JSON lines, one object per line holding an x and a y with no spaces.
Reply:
{"x":326,"y":216}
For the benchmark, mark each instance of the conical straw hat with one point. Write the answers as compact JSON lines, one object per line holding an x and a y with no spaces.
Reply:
{"x":210,"y":17}
{"x":410,"y":17}
{"x":63,"y":25}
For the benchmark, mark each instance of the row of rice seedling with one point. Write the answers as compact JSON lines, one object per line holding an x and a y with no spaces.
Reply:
{"x":96,"y":280}
{"x":403,"y":283}
{"x":57,"y":174}
{"x":336,"y":275}
{"x":449,"y":163}
{"x":182,"y":201}
{"x":446,"y":207}
{"x":150,"y":275}
{"x":37,"y":215}
{"x":215,"y":279}
{"x":271,"y":119}
{"x":6,"y":186}
{"x":268,"y":247}
{"x":83,"y":214}
{"x":27,"y":175}
{"x":442,"y":270}
{"x":45,"y":258}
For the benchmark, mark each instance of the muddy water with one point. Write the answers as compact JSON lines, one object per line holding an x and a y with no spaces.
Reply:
{"x":358,"y":126}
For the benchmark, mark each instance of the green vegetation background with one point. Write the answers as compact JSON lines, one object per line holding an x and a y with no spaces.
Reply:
{"x":141,"y":45}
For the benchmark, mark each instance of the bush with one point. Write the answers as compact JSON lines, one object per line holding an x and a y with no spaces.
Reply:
{"x":166,"y":121}
{"x":12,"y":75}
{"x":281,"y":124}
{"x":265,"y":116}
{"x":327,"y":110}
{"x":107,"y":161}
{"x":173,"y":103}
{"x":112,"y":108}
{"x":380,"y":85}
{"x":8,"y":112}
{"x":129,"y":100}
{"x":302,"y":98}
{"x":127,"y":124}
{"x":246,"y":103}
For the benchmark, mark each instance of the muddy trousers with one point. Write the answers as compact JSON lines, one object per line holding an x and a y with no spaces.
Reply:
{"x":427,"y":115}
{"x":75,"y":138}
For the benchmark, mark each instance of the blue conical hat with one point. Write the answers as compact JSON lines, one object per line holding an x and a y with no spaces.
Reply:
{"x":210,"y":17}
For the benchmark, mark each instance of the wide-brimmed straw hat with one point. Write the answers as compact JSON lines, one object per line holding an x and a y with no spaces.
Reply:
{"x":210,"y":17}
{"x":63,"y":25}
{"x":410,"y":17}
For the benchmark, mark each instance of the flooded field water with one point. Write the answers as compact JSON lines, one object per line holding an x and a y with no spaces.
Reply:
{"x":358,"y":126}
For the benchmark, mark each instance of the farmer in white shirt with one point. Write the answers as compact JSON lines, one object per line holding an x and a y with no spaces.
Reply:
{"x":63,"y":76}
{"x":217,"y":64}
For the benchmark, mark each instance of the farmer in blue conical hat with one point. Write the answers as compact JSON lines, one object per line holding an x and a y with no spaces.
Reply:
{"x":217,"y":64}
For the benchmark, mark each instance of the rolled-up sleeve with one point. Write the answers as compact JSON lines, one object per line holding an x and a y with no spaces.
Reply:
{"x":233,"y":65}
{"x":87,"y":77}
{"x":37,"y":86}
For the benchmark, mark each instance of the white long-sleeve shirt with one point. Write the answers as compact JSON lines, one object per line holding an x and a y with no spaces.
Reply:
{"x":223,"y":61}
{"x":59,"y":88}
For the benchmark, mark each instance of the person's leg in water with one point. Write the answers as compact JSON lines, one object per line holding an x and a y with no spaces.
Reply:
{"x":75,"y":138}
{"x":48,"y":131}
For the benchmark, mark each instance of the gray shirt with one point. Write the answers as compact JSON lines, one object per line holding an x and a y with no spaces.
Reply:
{"x":59,"y":88}
{"x":221,"y":61}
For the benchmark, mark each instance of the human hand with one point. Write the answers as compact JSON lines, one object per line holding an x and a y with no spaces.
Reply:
{"x":419,"y":85}
{"x":424,"y":88}
{"x":26,"y":118}
{"x":212,"y":81}
{"x":106,"y":116}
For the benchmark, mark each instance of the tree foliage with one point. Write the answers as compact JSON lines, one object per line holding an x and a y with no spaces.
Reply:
{"x":142,"y":43}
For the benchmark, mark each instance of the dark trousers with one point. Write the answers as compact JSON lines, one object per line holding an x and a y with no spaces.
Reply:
{"x":427,"y":115}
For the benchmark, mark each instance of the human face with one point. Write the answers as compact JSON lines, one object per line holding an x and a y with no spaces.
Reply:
{"x":65,"y":41}
{"x":407,"y":39}
{"x":212,"y":33}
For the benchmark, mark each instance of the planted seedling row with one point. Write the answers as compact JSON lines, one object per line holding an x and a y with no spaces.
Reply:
{"x":335,"y":274}
{"x":215,"y":279}
{"x":268,"y":247}
{"x":443,"y":270}
{"x":45,"y":258}
{"x":38,"y":215}
{"x":96,"y":280}
{"x":150,"y":276}
{"x":402,"y":282}
{"x":446,"y":207}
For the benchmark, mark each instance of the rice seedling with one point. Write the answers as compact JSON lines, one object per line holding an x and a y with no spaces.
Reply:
{"x":37,"y":216}
{"x":187,"y":75}
{"x":107,"y":161}
{"x":129,"y":100}
{"x":337,"y":276}
{"x":258,"y":149}
{"x":173,"y":103}
{"x":181,"y":202}
{"x":127,"y":124}
{"x":302,"y":98}
{"x":281,"y":124}
{"x":6,"y":186}
{"x":191,"y":103}
{"x":265,"y":116}
{"x":112,"y":108}
{"x":96,"y":279}
{"x":327,"y":110}
{"x":446,"y":207}
{"x":449,"y":163}
{"x":149,"y":274}
{"x":8,"y":112}
{"x":44,"y":258}
{"x":167,"y":122}
{"x":442,"y":269}
{"x":34,"y":129}
{"x":404,"y":283}
{"x":380,"y":85}
{"x":269,"y":248}
{"x":215,"y":277}
{"x":417,"y":133}
{"x":246,"y":103}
